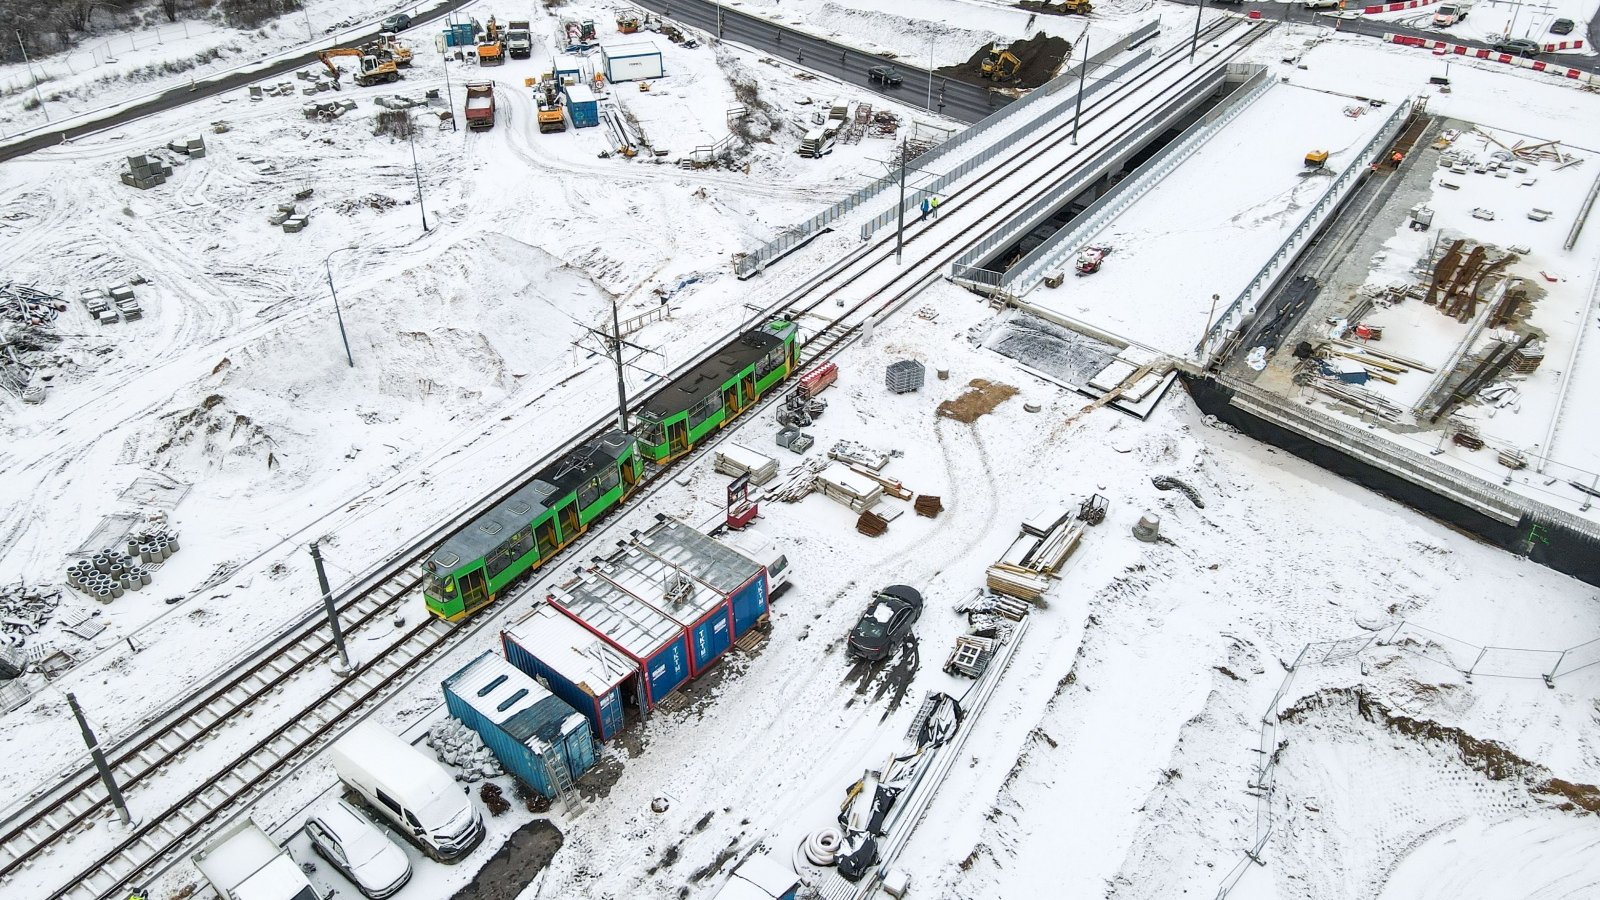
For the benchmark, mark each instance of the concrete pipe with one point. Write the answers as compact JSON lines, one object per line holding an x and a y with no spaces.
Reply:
{"x":102,"y":594}
{"x":102,"y":564}
{"x":145,"y":555}
{"x":172,"y":544}
{"x":133,"y":548}
{"x":163,"y":550}
{"x":116,"y":591}
{"x":144,"y":577}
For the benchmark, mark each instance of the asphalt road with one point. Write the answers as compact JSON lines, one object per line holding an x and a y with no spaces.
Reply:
{"x":956,"y":99}
{"x":1294,"y":12}
{"x":180,"y":95}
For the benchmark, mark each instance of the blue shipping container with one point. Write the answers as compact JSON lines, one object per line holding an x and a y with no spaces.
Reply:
{"x":711,"y":638}
{"x":667,"y":669}
{"x":749,"y":604}
{"x":642,"y":633}
{"x":582,"y":106}
{"x":579,"y":667}
{"x":533,"y":733}
{"x":462,"y":34}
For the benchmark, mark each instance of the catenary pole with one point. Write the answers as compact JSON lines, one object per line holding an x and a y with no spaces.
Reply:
{"x":99,"y":758}
{"x":327,"y":602}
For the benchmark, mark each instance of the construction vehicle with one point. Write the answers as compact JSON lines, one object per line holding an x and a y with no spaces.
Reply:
{"x":372,"y":69}
{"x":480,"y":105}
{"x":1316,"y":160}
{"x":1450,"y":13}
{"x":1090,"y":260}
{"x":547,"y":96}
{"x":1001,"y":64}
{"x":519,"y":40}
{"x":627,"y":23}
{"x":492,"y":50}
{"x":387,"y":46}
{"x":1076,"y":7}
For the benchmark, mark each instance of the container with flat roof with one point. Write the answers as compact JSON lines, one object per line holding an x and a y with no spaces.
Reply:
{"x":745,"y":581}
{"x":631,"y":61}
{"x":534,"y":734}
{"x":577,"y":665}
{"x":642,"y":633}
{"x":244,"y":863}
{"x":702,"y":611}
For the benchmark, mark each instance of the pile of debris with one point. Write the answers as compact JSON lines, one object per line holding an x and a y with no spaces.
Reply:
{"x":145,"y":173}
{"x":290,"y":218}
{"x":885,"y":124}
{"x":327,"y":112}
{"x":27,"y":320}
{"x":990,"y":621}
{"x":24,"y":611}
{"x":27,"y":305}
{"x":280,"y":89}
{"x":459,"y":746}
{"x":105,"y":307}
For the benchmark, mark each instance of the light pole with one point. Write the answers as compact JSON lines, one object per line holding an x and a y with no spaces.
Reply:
{"x":1083,"y":71}
{"x":929,"y":104}
{"x":35,"y":78}
{"x":719,"y":19}
{"x":900,"y":231}
{"x":310,"y":35}
{"x":1195,"y":43}
{"x":411,"y":132}
{"x":328,"y":264}
{"x":449,"y":95}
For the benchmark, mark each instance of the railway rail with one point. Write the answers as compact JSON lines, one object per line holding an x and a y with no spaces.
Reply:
{"x":240,"y":769}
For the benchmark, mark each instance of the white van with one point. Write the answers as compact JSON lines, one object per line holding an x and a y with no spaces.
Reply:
{"x":410,"y":789}
{"x":764,"y":552}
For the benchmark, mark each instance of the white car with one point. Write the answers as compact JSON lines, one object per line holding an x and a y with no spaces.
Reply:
{"x":374,"y":864}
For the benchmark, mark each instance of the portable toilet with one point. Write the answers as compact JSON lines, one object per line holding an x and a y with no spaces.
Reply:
{"x":574,"y":664}
{"x":656,"y":643}
{"x":533,"y":733}
{"x":582,"y":106}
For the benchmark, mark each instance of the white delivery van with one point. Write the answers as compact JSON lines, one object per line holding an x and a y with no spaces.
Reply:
{"x":410,"y":789}
{"x":1450,"y":13}
{"x":243,"y":863}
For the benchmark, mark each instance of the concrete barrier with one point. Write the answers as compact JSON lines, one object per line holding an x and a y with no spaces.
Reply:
{"x":1443,"y":48}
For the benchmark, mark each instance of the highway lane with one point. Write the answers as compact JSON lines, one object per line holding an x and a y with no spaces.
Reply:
{"x":179,"y":96}
{"x":957,"y":99}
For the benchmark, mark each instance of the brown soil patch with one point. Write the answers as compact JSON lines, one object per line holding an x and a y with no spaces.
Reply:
{"x":979,"y":399}
{"x":1041,"y":55}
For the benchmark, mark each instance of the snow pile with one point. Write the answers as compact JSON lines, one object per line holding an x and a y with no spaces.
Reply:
{"x":459,"y":746}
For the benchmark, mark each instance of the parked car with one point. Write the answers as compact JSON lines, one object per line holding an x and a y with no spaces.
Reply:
{"x":1561,"y":26}
{"x":1516,"y":46}
{"x":888,"y":75}
{"x":372,"y":862}
{"x":397,"y":22}
{"x":887,"y":622}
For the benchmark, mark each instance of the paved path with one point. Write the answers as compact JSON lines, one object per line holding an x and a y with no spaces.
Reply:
{"x":179,"y":96}
{"x":956,"y":99}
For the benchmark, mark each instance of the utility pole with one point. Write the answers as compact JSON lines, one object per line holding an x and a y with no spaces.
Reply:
{"x":1083,"y":72}
{"x":328,"y":264}
{"x":333,"y":614}
{"x":411,"y":132}
{"x":449,"y":95}
{"x":616,"y":349}
{"x":900,"y":233}
{"x":929,"y":104}
{"x":35,"y":78}
{"x":1198,"y":12}
{"x":99,"y":758}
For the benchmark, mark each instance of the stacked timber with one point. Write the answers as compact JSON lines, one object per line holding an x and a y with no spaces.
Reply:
{"x":736,"y":460}
{"x":1026,"y":568}
{"x":849,"y":487}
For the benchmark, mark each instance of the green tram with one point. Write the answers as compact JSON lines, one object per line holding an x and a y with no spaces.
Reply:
{"x":710,"y":395}
{"x":527,"y":529}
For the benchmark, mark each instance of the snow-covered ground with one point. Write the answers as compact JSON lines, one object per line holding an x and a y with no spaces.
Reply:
{"x":1490,"y":19}
{"x":1114,"y":757}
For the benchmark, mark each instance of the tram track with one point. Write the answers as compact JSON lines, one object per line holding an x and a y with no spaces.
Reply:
{"x":56,"y":815}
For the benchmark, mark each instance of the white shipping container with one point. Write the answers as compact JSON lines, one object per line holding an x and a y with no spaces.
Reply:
{"x":633,"y":61}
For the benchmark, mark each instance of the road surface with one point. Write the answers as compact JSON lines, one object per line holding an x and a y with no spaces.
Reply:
{"x":178,"y":96}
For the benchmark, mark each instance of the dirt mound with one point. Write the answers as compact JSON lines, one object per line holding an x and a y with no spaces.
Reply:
{"x":1042,"y":56}
{"x":978,"y":400}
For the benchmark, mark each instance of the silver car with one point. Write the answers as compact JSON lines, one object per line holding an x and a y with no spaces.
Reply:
{"x":372,"y":862}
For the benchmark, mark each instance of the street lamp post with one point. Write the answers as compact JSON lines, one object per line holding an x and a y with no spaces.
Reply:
{"x":449,"y":95}
{"x":929,"y":104}
{"x":1083,"y":72}
{"x":328,"y":265}
{"x":416,"y":172}
{"x":35,"y":78}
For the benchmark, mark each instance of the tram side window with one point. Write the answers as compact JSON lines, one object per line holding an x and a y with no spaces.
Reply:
{"x":588,"y":492}
{"x":769,"y":362}
{"x":512,"y":550}
{"x":705,"y":409}
{"x":608,"y":479}
{"x":650,"y":434}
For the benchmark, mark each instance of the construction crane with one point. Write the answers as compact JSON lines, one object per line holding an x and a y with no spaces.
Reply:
{"x":372,"y":69}
{"x":491,"y":50}
{"x":1001,"y":64}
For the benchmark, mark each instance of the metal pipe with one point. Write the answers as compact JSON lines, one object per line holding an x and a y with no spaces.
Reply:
{"x":1083,"y":72}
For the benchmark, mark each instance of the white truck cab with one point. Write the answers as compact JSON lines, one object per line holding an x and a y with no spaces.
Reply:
{"x":243,"y":863}
{"x":1451,"y":12}
{"x":764,"y":552}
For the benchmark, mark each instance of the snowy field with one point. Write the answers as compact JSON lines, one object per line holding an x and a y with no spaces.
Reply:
{"x":1115,"y":755}
{"x":1243,"y":190}
{"x":1490,"y":19}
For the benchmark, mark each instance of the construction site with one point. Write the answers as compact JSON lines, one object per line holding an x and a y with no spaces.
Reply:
{"x":837,"y":449}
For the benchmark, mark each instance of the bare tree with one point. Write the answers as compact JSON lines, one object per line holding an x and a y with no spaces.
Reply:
{"x":170,"y":7}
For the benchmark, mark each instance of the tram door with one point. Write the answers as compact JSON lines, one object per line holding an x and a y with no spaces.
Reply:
{"x":474,"y":590}
{"x":544,"y":534}
{"x":730,"y":402}
{"x":630,"y":476}
{"x":747,"y":388}
{"x":569,"y":520}
{"x":677,"y":437}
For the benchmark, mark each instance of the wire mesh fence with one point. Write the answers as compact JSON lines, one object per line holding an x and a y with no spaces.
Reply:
{"x":1462,"y":656}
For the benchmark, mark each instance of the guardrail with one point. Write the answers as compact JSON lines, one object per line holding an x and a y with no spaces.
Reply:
{"x":938,"y":185}
{"x":759,"y":258}
{"x":1027,"y":272}
{"x":1245,"y":304}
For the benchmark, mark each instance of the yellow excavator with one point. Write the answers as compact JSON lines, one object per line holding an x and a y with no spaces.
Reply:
{"x":492,"y":49}
{"x":548,"y":98}
{"x":372,"y":69}
{"x":387,"y":46}
{"x":1002,"y":64}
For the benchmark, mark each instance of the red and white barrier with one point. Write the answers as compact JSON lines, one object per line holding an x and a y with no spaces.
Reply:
{"x":1441,"y":48}
{"x":1396,"y":7}
{"x":1563,"y":45}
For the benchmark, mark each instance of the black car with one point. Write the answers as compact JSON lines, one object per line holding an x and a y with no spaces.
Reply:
{"x":886,"y":622}
{"x":889,"y":75}
{"x":397,"y":23}
{"x":1516,"y":47}
{"x":1561,"y":26}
